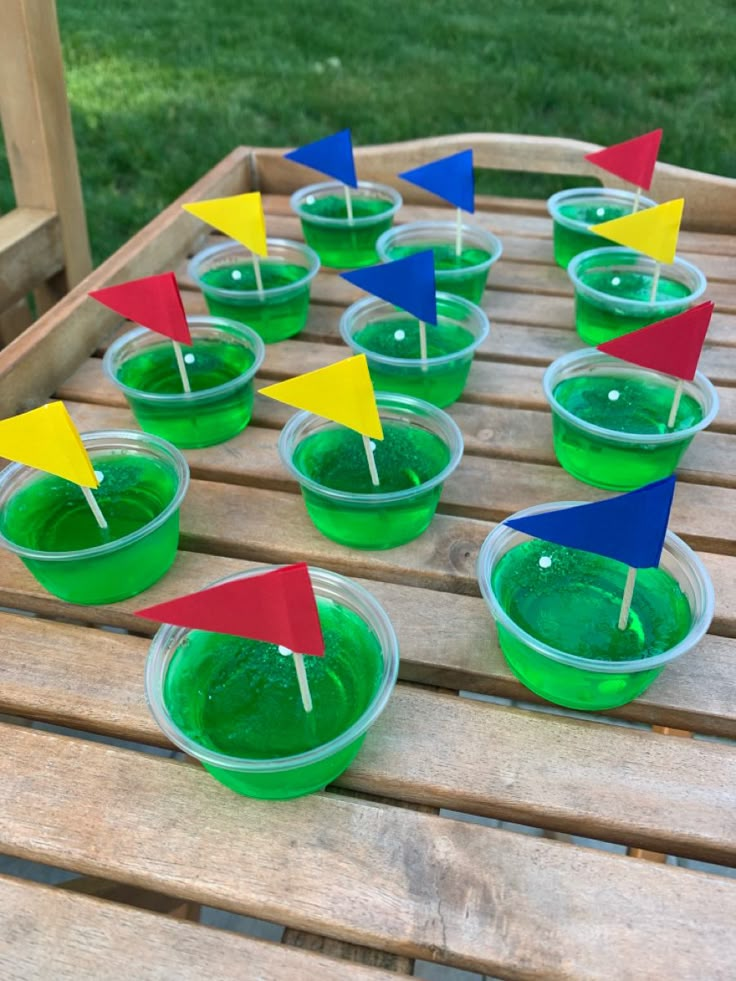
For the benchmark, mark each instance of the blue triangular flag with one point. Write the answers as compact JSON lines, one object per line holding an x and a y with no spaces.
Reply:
{"x":630,"y":528}
{"x":450,"y":178}
{"x":408,"y":283}
{"x":332,"y":155}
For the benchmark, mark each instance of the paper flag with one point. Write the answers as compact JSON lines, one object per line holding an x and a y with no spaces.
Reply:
{"x":239,"y":216}
{"x":153,"y":302}
{"x":342,"y":392}
{"x":653,"y":231}
{"x":630,"y":528}
{"x":632,"y":160}
{"x":332,"y":155}
{"x":408,"y":283}
{"x":450,"y":178}
{"x":277,"y":607}
{"x":672,"y":346}
{"x":47,"y":439}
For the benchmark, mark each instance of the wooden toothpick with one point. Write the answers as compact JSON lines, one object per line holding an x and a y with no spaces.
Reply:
{"x":675,"y":403}
{"x":623,"y":617}
{"x":368,"y":447}
{"x":181,"y":366}
{"x":94,"y":508}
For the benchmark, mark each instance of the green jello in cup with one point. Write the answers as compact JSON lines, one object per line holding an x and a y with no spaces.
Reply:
{"x":390,"y":340}
{"x":613,"y":287}
{"x":575,"y":210}
{"x":47,"y":522}
{"x":234,"y":704}
{"x":339,"y":242}
{"x":556,"y":611}
{"x":464,"y":274}
{"x":220,"y":365}
{"x":609,"y":419}
{"x":227,"y":277}
{"x":422,"y":446}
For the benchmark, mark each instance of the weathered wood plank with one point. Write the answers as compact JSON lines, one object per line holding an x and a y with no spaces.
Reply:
{"x":30,"y":251}
{"x":47,"y":933}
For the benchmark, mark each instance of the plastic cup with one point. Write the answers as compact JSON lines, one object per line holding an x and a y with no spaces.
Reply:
{"x":672,"y":606}
{"x":609,"y":419}
{"x":389,"y":338}
{"x":464,"y":275}
{"x":613,"y":286}
{"x":47,"y":522}
{"x":339,"y":243}
{"x":226,"y":276}
{"x":575,"y":210}
{"x":422,"y":446}
{"x":234,"y":704}
{"x":221,"y":365}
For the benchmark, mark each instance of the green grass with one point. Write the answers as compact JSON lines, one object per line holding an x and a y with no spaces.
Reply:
{"x":162,"y":89}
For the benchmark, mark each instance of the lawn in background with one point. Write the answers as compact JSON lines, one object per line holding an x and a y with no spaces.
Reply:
{"x":162,"y":89}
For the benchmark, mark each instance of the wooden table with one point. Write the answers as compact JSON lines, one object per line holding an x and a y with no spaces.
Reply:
{"x":371,"y":862}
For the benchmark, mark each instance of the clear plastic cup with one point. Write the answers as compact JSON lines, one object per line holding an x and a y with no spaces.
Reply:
{"x":464,"y":275}
{"x":585,"y":683}
{"x":575,"y":210}
{"x":422,"y":446}
{"x":363,"y":656}
{"x":221,"y":365}
{"x":389,"y":338}
{"x":339,"y":242}
{"x":611,"y":458}
{"x":47,"y":522}
{"x":612,"y":289}
{"x":226,"y":276}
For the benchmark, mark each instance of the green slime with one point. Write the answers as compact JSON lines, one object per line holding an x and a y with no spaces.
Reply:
{"x":241,"y":698}
{"x":570,"y":600}
{"x":343,"y":246}
{"x":470,"y":285}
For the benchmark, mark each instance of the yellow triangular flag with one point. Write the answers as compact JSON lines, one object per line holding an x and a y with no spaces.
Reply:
{"x":653,"y":231}
{"x":47,"y":439}
{"x":342,"y":392}
{"x":240,"y":216}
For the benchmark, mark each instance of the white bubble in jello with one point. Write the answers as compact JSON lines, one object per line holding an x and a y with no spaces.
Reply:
{"x":399,"y":335}
{"x":236,"y":274}
{"x":189,"y":358}
{"x":545,"y":562}
{"x":284,"y":650}
{"x":616,"y":281}
{"x":100,"y":476}
{"x":614,"y":395}
{"x":600,"y":212}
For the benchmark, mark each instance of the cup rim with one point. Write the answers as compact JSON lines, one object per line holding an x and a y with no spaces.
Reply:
{"x":591,"y":356}
{"x":203,"y":395}
{"x":364,"y":306}
{"x":99,"y":440}
{"x":327,"y":584}
{"x":449,"y":430}
{"x":385,"y":190}
{"x":618,"y":194}
{"x":221,"y":292}
{"x":642,"y":307}
{"x":673,"y":544}
{"x":492,"y":242}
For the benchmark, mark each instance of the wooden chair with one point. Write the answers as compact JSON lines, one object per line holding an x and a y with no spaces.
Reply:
{"x":44,"y":246}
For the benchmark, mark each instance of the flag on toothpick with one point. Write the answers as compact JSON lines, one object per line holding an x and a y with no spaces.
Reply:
{"x":653,"y":232}
{"x":153,"y":302}
{"x":630,"y":528}
{"x":672,"y":346}
{"x":342,"y":392}
{"x":47,"y":439}
{"x":632,"y":161}
{"x":239,"y":216}
{"x":450,"y":178}
{"x":332,"y":155}
{"x":408,"y":283}
{"x":277,"y":607}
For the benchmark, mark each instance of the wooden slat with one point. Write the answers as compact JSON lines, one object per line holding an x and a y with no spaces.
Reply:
{"x":30,"y":251}
{"x":47,"y":933}
{"x":409,"y":883}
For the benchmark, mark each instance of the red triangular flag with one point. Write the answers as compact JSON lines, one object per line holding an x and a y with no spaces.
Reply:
{"x":277,"y":607}
{"x":153,"y":302}
{"x":632,"y":160}
{"x":672,"y":346}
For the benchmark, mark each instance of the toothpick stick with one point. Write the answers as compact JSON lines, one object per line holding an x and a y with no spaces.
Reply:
{"x":257,"y":273}
{"x":423,"y":344}
{"x":348,"y":204}
{"x":459,"y":232}
{"x":675,"y":403}
{"x":637,"y":197}
{"x":655,"y":283}
{"x":301,"y":677}
{"x":181,"y":366}
{"x":623,"y":617}
{"x":368,"y":446}
{"x":94,"y":507}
